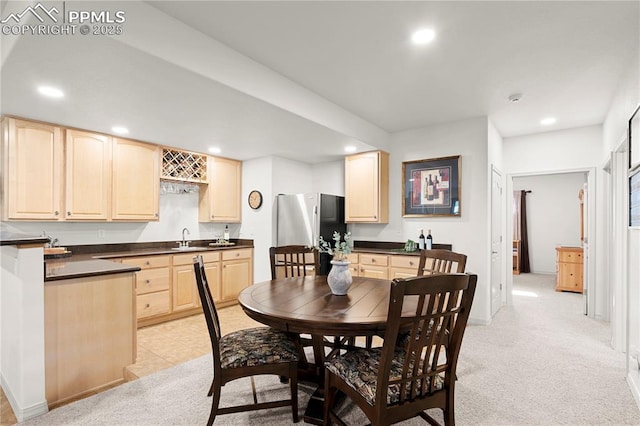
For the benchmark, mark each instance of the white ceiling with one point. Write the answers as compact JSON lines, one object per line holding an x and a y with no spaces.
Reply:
{"x":564,"y":57}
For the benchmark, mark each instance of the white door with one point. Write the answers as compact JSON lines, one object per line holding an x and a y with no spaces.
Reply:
{"x":496,"y":241}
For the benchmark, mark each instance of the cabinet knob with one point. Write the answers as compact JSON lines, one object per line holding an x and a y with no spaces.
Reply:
{"x":373,"y":261}
{"x":147,"y":305}
{"x":68,"y":213}
{"x":147,"y":263}
{"x":157,"y":215}
{"x":148,"y":281}
{"x":410,"y":263}
{"x":56,"y":212}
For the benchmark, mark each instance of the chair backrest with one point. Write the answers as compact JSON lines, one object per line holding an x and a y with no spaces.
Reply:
{"x":293,"y":261}
{"x":441,"y":262}
{"x":435,"y":308}
{"x":208,"y":308}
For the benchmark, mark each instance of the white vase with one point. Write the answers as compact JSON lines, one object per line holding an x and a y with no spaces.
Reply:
{"x":339,"y":277}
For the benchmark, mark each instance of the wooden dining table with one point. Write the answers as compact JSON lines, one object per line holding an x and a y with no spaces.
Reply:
{"x":305,"y":305}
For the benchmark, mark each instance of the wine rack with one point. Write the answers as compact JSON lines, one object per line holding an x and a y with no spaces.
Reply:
{"x":183,"y":166}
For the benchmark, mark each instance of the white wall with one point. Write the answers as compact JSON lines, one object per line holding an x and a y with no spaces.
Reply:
{"x":467,"y":138}
{"x":563,"y":150}
{"x":177,"y":211}
{"x":553,"y":216}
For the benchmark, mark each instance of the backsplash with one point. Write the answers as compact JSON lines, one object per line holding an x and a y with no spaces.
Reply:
{"x":177,"y":211}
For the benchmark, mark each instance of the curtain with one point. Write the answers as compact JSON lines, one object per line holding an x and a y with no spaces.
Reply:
{"x":520,"y":228}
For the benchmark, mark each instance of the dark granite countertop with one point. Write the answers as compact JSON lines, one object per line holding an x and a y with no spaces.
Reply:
{"x":64,"y":269}
{"x":12,"y":239}
{"x":388,"y":247}
{"x":93,"y":260}
{"x":112,"y":251}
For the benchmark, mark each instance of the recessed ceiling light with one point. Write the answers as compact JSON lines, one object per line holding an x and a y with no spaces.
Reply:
{"x":548,"y":121}
{"x":120,"y":130}
{"x":215,"y":150}
{"x":349,"y":148}
{"x":51,"y":92}
{"x":423,"y":36}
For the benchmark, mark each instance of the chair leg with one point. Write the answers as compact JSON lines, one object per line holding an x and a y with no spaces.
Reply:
{"x":448,"y":411}
{"x":214,"y":405}
{"x":329,"y":400}
{"x":211,"y":389}
{"x":293,"y":381}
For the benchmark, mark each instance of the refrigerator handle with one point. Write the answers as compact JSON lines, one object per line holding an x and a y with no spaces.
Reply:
{"x":316,"y":229}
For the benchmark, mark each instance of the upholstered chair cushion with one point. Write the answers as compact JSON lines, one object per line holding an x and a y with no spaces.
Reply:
{"x":359,"y":369}
{"x":256,"y":346}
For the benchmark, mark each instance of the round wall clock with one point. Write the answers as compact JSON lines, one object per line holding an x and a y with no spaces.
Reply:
{"x":255,"y":199}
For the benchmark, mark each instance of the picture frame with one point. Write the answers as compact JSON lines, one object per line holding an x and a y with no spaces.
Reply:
{"x":634,"y":140}
{"x":634,"y":199}
{"x":432,"y":187}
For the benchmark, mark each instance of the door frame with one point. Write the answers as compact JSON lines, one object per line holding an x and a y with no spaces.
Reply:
{"x":590,"y":230}
{"x":502,"y":249}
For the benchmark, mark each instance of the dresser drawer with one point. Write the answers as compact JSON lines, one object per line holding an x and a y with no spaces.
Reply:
{"x":150,"y":280}
{"x":236,"y":254}
{"x":151,"y":304}
{"x":146,"y":262}
{"x":570,"y":256}
{"x":186,"y":259}
{"x":353,"y":258}
{"x":374,"y":259}
{"x":410,"y":262}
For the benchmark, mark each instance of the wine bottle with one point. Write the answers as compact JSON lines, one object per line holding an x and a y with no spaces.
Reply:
{"x":421,"y":240}
{"x":429,"y":189}
{"x":429,"y":240}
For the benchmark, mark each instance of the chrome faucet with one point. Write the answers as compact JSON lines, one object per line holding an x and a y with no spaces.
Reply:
{"x":185,"y":243}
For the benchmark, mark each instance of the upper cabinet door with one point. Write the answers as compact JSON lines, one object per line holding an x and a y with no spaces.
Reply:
{"x":32,"y":163}
{"x":88,"y":175}
{"x":220,"y":201}
{"x":136,"y":181}
{"x":367,"y":187}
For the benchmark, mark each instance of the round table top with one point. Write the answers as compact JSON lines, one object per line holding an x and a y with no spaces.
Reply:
{"x":306,"y":305}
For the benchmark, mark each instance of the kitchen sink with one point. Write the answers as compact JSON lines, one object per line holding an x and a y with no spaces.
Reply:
{"x":188,"y":248}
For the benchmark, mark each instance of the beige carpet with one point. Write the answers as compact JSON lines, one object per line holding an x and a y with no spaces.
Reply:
{"x":541,"y":362}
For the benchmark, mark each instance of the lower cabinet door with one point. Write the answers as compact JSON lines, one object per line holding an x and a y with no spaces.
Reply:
{"x":185,"y":290}
{"x":236,"y":276}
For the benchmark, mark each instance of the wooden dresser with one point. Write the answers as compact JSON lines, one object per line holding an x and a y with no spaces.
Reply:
{"x":569,"y":269}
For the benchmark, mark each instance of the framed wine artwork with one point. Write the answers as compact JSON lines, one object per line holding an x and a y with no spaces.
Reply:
{"x":432,"y":187}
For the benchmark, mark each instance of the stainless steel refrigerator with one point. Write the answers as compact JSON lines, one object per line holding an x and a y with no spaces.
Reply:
{"x":303,"y":218}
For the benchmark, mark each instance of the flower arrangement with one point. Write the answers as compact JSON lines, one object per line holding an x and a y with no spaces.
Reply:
{"x":341,"y":248}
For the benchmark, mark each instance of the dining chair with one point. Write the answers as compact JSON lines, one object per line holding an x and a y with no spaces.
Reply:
{"x":293,"y":261}
{"x":392,"y":383}
{"x":439,"y":261}
{"x":246,"y":353}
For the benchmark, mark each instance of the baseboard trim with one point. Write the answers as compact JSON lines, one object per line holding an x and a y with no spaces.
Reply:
{"x":635,"y":390}
{"x":23,"y":413}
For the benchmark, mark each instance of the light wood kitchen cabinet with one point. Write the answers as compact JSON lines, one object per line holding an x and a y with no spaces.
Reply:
{"x":88,"y":175}
{"x":374,"y":266}
{"x":220,"y":200}
{"x":237,"y":273}
{"x":153,"y":284}
{"x":570,"y":266}
{"x":367,"y":187}
{"x":354,"y":267}
{"x":90,"y":335}
{"x":403,"y":266}
{"x":185,"y":290}
{"x":32,"y":170}
{"x":136,"y":181}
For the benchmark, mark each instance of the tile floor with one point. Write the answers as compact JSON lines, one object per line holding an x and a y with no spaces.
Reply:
{"x":164,"y":345}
